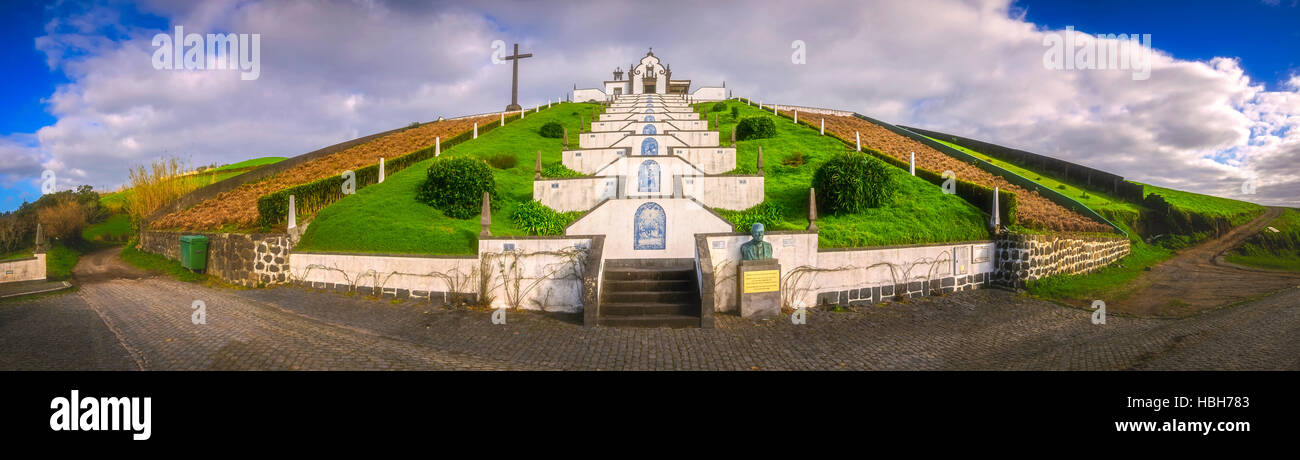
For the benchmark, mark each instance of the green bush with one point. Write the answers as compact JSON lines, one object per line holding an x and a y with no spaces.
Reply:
{"x":552,"y":130}
{"x":735,"y":112}
{"x":794,"y":160}
{"x":769,"y":213}
{"x":538,"y":219}
{"x":718,"y":106}
{"x":456,"y":185}
{"x":559,"y":171}
{"x":852,"y":182}
{"x":503,"y":161}
{"x":760,"y":127}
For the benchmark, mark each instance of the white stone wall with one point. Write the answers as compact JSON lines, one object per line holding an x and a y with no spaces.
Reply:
{"x":23,"y":270}
{"x":709,"y":93}
{"x":709,"y":160}
{"x":684,"y":218}
{"x":684,"y":115}
{"x":634,"y":126}
{"x":535,"y":273}
{"x":588,"y":161}
{"x":791,"y":250}
{"x":600,"y":140}
{"x":374,"y":274}
{"x":697,"y":138}
{"x":669,"y":166}
{"x":736,"y":193}
{"x":577,"y":194}
{"x":588,"y":94}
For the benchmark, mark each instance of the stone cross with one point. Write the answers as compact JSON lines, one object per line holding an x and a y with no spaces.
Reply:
{"x":812,"y":209}
{"x":537,"y":168}
{"x":485,"y":220}
{"x":912,"y":165}
{"x":514,"y":78}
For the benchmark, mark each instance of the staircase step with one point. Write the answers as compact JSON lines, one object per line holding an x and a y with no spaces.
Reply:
{"x":648,"y":274}
{"x":648,"y":285}
{"x":648,"y":309}
{"x":674,"y":321}
{"x":666,"y":296}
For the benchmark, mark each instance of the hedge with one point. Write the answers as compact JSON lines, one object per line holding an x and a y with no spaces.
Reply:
{"x":273,"y":208}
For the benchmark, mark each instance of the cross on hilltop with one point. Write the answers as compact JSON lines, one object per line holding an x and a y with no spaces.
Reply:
{"x":514,"y":79}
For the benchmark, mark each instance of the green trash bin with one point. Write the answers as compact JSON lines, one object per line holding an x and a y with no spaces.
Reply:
{"x":194,"y":252}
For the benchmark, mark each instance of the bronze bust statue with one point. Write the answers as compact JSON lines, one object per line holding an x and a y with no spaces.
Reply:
{"x":756,"y":248}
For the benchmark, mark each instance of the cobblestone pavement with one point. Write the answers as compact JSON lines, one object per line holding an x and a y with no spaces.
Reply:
{"x":146,"y":323}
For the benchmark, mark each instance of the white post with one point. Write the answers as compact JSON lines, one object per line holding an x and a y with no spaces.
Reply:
{"x":857,"y":137}
{"x":796,"y":116}
{"x":912,"y":167}
{"x":774,"y":109}
{"x":437,"y":146}
{"x":381,"y":170}
{"x":293,"y":214}
{"x":503,"y":118}
{"x":476,"y":130}
{"x":521,"y":113}
{"x":996,"y":219}
{"x":823,"y":126}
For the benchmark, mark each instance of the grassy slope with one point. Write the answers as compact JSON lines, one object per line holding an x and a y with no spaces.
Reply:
{"x":1278,"y":251}
{"x":116,"y":200}
{"x":59,"y":260}
{"x":116,"y":228}
{"x":385,"y":218}
{"x":155,"y":263}
{"x":921,"y":213}
{"x":1237,"y":212}
{"x":250,"y":163}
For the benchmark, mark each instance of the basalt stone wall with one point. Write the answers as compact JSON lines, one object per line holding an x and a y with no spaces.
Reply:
{"x":239,"y":258}
{"x":1022,"y":258}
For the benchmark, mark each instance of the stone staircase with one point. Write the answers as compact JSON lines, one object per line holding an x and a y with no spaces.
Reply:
{"x":650,"y":293}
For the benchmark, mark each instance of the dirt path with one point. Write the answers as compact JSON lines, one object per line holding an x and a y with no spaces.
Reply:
{"x":104,"y":265}
{"x":1196,"y":280}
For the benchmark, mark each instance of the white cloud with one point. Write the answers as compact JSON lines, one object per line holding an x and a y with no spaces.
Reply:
{"x":334,"y":71}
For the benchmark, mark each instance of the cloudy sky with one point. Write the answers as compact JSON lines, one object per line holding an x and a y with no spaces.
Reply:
{"x":1222,"y":102}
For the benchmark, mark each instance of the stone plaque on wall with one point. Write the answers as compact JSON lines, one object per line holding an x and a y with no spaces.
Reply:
{"x":760,"y":288}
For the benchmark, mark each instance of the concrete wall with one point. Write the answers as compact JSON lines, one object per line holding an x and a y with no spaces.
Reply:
{"x":683,"y":115}
{"x":29,"y":269}
{"x":697,"y":138}
{"x":1023,"y":258}
{"x":441,"y":280}
{"x":732,"y":192}
{"x":812,"y":277}
{"x":239,"y":258}
{"x":629,"y":166}
{"x":535,"y":273}
{"x":635,"y":126}
{"x":577,"y":194}
{"x":588,"y":94}
{"x":684,"y":218}
{"x":588,"y":161}
{"x":709,"y":93}
{"x":709,"y":160}
{"x":600,"y":140}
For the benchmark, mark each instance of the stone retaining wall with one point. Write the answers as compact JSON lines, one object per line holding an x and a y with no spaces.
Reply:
{"x":26,"y":269}
{"x":1022,"y":258}
{"x":239,"y":258}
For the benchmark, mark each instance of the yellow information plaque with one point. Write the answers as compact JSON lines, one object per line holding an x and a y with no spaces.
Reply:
{"x":762,"y":281}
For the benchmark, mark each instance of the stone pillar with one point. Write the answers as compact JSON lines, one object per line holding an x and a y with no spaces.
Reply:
{"x":521,"y":113}
{"x":485,"y":220}
{"x":812,"y":209}
{"x":566,"y":136}
{"x":857,"y":138}
{"x":437,"y":146}
{"x":503,"y":118}
{"x":475,"y":130}
{"x":996,"y":219}
{"x":823,"y":126}
{"x":911,"y":168}
{"x":796,"y":116}
{"x":293,"y":213}
{"x":40,"y":239}
{"x":582,"y":121}
{"x":760,"y":160}
{"x":733,"y":136}
{"x":381,"y":170}
{"x":537,"y":168}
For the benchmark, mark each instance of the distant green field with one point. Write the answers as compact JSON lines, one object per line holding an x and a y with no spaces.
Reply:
{"x":59,"y":260}
{"x":1237,"y":212}
{"x":250,"y":163}
{"x":1273,"y":250}
{"x":116,"y":228}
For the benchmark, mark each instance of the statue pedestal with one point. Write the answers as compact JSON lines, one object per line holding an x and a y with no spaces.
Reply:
{"x":760,"y":288}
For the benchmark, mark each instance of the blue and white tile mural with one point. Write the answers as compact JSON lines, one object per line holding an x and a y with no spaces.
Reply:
{"x":651,"y":227}
{"x":649,"y":111}
{"x":650,"y":147}
{"x":649,"y":129}
{"x":647,"y":177}
{"x":649,"y":118}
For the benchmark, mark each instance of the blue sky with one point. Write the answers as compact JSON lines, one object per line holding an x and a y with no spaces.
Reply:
{"x":320,"y":81}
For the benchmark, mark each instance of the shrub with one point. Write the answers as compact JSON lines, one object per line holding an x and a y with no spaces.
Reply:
{"x":537,"y":219}
{"x":64,"y":220}
{"x":154,"y":187}
{"x":559,"y":171}
{"x":552,"y":130}
{"x":769,"y":213}
{"x":503,"y":161}
{"x":851,"y":183}
{"x":735,"y":112}
{"x":761,"y":127}
{"x":794,"y":160}
{"x":718,"y":106}
{"x":456,"y":185}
